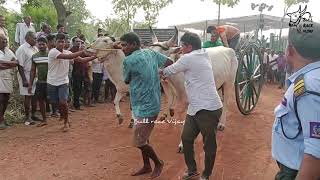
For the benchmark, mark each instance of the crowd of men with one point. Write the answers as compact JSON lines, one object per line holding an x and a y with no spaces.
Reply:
{"x":36,"y":72}
{"x":45,"y":71}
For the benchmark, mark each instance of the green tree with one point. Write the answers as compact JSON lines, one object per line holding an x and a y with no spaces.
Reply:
{"x":11,"y":19}
{"x":79,"y":16}
{"x":229,"y":3}
{"x":41,"y":12}
{"x":127,"y":9}
{"x":151,"y":9}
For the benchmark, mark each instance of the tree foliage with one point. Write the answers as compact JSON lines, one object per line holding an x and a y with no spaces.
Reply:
{"x":11,"y":19}
{"x":229,"y":3}
{"x":41,"y":12}
{"x":127,"y":10}
{"x":79,"y":16}
{"x":152,"y":8}
{"x":289,"y":3}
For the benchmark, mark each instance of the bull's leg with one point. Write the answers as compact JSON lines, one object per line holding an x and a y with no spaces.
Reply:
{"x":181,"y":108}
{"x":173,"y":101}
{"x":221,"y":124}
{"x":116,"y":102}
{"x":169,"y":96}
{"x":228,"y":88}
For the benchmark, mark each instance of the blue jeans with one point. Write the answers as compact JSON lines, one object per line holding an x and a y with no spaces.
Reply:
{"x":58,"y":93}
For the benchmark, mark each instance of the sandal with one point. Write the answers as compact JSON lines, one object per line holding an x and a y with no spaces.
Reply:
{"x":35,"y":118}
{"x":189,"y":175}
{"x":42,"y":124}
{"x":29,"y":123}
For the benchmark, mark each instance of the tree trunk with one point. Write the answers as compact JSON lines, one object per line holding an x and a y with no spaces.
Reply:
{"x":219,"y":6}
{"x":61,"y":11}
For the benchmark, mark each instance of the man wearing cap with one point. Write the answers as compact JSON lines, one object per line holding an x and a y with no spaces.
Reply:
{"x":296,"y":130}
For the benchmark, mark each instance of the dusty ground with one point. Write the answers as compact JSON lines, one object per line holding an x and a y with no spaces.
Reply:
{"x":98,"y":148}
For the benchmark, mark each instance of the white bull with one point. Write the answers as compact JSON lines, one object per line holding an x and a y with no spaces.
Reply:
{"x":112,"y":59}
{"x":224,"y":66}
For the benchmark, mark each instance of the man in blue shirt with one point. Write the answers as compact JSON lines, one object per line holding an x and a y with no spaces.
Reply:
{"x":140,"y":71}
{"x":296,"y":130}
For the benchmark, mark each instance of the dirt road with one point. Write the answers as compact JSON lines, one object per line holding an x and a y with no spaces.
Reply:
{"x":98,"y":148}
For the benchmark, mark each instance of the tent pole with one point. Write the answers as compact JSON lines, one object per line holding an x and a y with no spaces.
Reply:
{"x":205,"y":31}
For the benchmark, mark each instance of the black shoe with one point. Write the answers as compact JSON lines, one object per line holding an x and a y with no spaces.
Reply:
{"x":189,"y":175}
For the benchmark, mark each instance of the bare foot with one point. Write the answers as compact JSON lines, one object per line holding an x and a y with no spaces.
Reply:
{"x":144,"y":170}
{"x":65,"y":128}
{"x":157,"y":170}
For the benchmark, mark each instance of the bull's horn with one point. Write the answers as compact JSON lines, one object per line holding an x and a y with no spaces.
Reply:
{"x":153,"y":36}
{"x":173,"y":40}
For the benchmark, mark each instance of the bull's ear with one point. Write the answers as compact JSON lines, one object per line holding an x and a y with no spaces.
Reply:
{"x":117,"y":45}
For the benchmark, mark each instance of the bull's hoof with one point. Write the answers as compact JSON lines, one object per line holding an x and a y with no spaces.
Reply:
{"x":180,"y":150}
{"x":131,"y":124}
{"x":163,"y":117}
{"x":171,"y":112}
{"x":220,"y":127}
{"x":120,"y":119}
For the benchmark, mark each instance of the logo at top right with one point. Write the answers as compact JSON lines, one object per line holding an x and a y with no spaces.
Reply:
{"x":302,"y":20}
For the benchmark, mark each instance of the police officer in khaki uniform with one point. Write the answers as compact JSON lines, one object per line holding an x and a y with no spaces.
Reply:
{"x":296,"y":130}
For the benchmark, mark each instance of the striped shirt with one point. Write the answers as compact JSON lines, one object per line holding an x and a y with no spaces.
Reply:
{"x":40,"y":59}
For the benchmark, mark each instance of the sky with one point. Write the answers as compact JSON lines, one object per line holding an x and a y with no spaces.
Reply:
{"x":187,"y":11}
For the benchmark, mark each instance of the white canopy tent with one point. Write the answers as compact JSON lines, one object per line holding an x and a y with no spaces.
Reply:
{"x":245,"y":24}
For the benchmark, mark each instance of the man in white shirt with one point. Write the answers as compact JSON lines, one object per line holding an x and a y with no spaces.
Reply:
{"x":274,"y":67}
{"x":57,"y":78}
{"x":97,"y":70}
{"x":22,"y":29}
{"x":7,"y":62}
{"x":205,"y":106}
{"x":265,"y":53}
{"x":24,"y":54}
